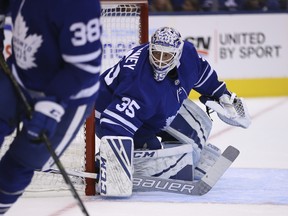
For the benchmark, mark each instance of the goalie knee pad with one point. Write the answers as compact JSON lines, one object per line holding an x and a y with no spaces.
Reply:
{"x":116,"y":154}
{"x":190,"y":125}
{"x":208,"y":157}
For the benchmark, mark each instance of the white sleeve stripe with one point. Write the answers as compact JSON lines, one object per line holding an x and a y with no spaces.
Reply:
{"x":82,"y":58}
{"x":202,"y":75}
{"x":114,"y":123}
{"x":120,"y":119}
{"x":89,"y":68}
{"x":208,"y":76}
{"x":218,"y":88}
{"x":97,"y":114}
{"x":84,"y":93}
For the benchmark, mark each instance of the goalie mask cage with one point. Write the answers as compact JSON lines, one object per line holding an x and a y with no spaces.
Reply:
{"x":125,"y":25}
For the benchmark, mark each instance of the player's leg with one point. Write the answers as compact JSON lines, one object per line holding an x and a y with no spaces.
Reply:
{"x":24,"y":156}
{"x":116,"y":154}
{"x":10,"y":170}
{"x":191,"y":125}
{"x":10,"y":109}
{"x":17,"y":178}
{"x":174,"y":161}
{"x":67,"y":129}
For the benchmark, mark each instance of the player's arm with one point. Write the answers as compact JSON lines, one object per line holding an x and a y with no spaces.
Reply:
{"x":78,"y":35}
{"x":215,"y":95}
{"x":80,"y":49}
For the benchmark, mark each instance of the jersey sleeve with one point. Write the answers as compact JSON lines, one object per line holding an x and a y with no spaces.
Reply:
{"x":207,"y":82}
{"x":79,"y":34}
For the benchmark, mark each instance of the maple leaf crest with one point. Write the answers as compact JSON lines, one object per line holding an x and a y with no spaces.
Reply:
{"x":25,"y":46}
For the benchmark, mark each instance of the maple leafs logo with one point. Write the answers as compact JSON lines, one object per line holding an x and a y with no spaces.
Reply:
{"x":25,"y":46}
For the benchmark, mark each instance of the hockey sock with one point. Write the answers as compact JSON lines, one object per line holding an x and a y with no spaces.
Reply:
{"x":7,"y":200}
{"x":14,"y":178}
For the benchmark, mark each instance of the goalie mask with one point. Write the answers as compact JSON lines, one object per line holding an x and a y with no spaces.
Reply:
{"x":165,"y":51}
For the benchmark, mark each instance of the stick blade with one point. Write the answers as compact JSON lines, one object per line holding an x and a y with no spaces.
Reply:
{"x":218,"y":169}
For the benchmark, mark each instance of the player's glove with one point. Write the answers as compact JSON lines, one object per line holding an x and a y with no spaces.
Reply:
{"x":47,"y":114}
{"x":230,"y":109}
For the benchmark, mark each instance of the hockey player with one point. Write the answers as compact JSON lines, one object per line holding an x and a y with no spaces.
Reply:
{"x":140,"y":97}
{"x":56,"y":61}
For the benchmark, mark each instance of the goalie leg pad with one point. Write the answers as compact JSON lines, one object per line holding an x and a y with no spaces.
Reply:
{"x":190,"y":125}
{"x":116,"y":166}
{"x":173,"y":162}
{"x":209,"y":155}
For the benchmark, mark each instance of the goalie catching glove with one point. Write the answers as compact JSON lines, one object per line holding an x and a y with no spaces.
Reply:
{"x":230,"y":109}
{"x":45,"y":118}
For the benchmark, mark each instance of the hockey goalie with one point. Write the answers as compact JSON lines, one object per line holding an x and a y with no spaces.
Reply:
{"x":145,"y":121}
{"x":185,"y":152}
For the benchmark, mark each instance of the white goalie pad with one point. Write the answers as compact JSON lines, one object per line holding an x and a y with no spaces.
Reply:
{"x":209,"y":155}
{"x":191,"y":125}
{"x":116,"y":167}
{"x":172,"y":162}
{"x":231,"y":110}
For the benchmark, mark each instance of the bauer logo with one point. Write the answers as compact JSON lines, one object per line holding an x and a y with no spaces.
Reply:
{"x":162,"y":185}
{"x":103,"y":177}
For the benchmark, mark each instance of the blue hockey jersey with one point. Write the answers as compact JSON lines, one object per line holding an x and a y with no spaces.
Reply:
{"x":131,"y":103}
{"x":56,"y":48}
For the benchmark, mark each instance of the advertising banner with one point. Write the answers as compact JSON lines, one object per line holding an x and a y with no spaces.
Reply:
{"x":237,"y":46}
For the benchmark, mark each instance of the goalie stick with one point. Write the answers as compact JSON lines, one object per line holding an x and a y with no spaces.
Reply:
{"x":196,"y":188}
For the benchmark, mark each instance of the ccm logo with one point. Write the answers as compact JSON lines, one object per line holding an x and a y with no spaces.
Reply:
{"x":103,"y":177}
{"x":144,"y":154}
